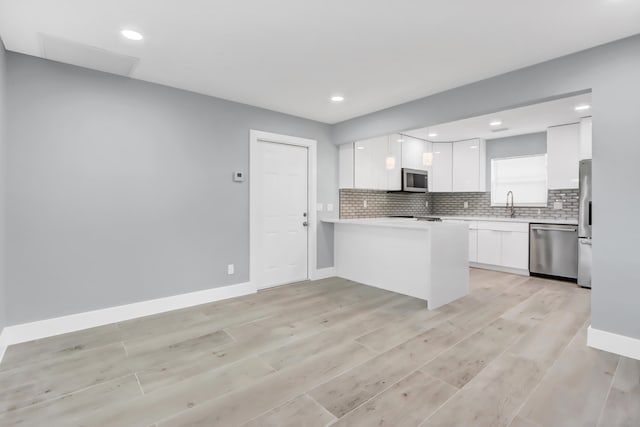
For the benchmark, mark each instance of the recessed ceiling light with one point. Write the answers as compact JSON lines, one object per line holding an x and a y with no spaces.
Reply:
{"x":583,"y":107}
{"x":131,"y":35}
{"x":495,"y":123}
{"x":433,"y":135}
{"x":337,"y":98}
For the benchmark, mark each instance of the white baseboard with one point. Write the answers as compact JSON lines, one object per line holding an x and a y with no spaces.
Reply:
{"x":3,"y":343}
{"x":614,"y":343}
{"x":323,"y":273}
{"x":499,"y":268}
{"x":61,"y":325}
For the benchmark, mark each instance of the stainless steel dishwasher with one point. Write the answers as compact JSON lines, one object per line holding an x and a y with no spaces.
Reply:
{"x":553,"y":250}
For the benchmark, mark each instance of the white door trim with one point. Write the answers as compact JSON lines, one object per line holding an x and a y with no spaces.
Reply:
{"x":254,"y":137}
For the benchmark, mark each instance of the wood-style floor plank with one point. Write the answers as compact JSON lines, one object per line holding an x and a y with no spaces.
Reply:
{"x":332,"y":351}
{"x":60,"y":411}
{"x":155,"y":406}
{"x":37,"y":382}
{"x":405,"y":404}
{"x":239,"y":407}
{"x":575,"y":388}
{"x":347,"y":391}
{"x":622,"y":407}
{"x":462,"y":362}
{"x":299,"y":412}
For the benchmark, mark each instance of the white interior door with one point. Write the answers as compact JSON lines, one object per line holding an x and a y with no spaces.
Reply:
{"x":281,"y":182}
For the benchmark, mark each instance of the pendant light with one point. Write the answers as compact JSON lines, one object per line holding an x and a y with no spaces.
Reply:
{"x":390,"y":161}
{"x":427,"y":159}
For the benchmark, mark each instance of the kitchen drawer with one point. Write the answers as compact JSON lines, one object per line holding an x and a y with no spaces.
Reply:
{"x":473,"y":225}
{"x":521,"y":227}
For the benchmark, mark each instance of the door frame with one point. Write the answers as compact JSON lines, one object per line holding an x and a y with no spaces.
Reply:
{"x":255,"y":136}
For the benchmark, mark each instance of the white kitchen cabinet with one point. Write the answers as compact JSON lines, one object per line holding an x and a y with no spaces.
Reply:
{"x":371,"y":169}
{"x":563,"y":154}
{"x":515,"y":250}
{"x":413,"y":153}
{"x":440,"y":178}
{"x":490,"y":247}
{"x":473,"y":245}
{"x":586,"y":138}
{"x":473,"y":236}
{"x":469,"y":165}
{"x":503,"y":244}
{"x":345,"y":166}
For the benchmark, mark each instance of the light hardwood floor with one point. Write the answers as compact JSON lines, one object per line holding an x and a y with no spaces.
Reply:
{"x":333,"y":352}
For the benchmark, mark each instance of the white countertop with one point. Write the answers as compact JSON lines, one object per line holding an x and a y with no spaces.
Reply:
{"x":392,"y":222}
{"x":413,"y":223}
{"x":507,"y":219}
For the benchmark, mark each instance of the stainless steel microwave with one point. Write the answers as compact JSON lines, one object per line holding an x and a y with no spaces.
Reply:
{"x":414,"y":180}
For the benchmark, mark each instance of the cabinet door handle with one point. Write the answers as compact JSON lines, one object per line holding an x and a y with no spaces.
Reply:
{"x":572,"y":230}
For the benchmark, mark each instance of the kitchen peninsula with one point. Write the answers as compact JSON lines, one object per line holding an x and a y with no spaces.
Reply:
{"x":422,"y":259}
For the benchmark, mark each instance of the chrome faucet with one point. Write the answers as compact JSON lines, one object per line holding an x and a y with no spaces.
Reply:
{"x":511,"y":210}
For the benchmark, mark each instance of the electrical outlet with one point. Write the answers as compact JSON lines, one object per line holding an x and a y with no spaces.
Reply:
{"x":329,"y":207}
{"x":557,"y":205}
{"x":364,"y":204}
{"x":230,"y":269}
{"x":466,"y":205}
{"x":426,"y":204}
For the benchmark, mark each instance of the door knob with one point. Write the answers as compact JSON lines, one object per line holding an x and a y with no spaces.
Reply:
{"x":304,"y":214}
{"x":305,"y":224}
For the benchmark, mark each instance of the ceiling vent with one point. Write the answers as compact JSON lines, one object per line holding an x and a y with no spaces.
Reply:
{"x":499,"y":130}
{"x":82,"y":55}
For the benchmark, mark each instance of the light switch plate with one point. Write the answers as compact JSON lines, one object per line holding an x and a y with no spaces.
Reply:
{"x":329,"y":207}
{"x":230,"y":269}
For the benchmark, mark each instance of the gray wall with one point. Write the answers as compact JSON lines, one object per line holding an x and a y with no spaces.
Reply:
{"x":611,"y":71}
{"x":121,"y":191}
{"x":3,"y":141}
{"x":514,"y":146}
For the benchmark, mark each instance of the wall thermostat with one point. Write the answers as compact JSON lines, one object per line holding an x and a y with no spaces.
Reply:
{"x":238,"y":176}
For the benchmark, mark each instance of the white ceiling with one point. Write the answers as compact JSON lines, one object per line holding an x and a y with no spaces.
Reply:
{"x":517,"y":121}
{"x":292,"y":55}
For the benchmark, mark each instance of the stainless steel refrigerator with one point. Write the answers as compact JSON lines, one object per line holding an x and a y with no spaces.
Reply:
{"x":584,"y":225}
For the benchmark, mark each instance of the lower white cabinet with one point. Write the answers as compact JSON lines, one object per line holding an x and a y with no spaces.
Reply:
{"x":473,"y":245}
{"x":498,"y":243}
{"x":490,"y":247}
{"x":515,"y":250}
{"x":504,"y":244}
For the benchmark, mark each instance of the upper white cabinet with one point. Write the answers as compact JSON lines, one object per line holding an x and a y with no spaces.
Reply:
{"x":414,"y":153}
{"x":441,"y":177}
{"x":469,"y":165}
{"x":377,"y":163}
{"x":563,"y":155}
{"x":345,"y":166}
{"x":586,"y":138}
